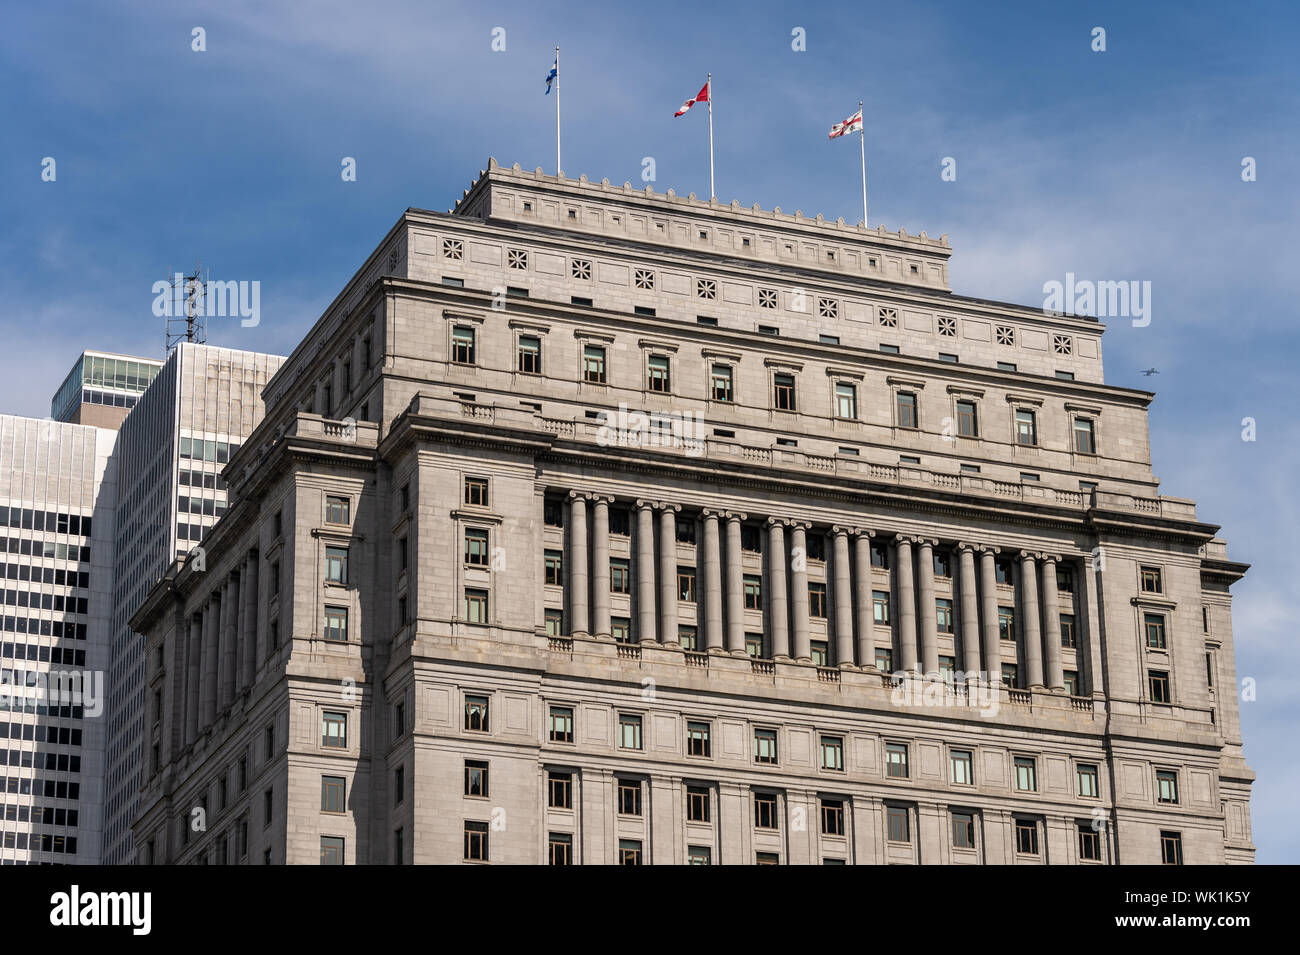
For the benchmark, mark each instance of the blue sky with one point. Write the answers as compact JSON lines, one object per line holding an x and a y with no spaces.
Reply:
{"x":1117,"y":165}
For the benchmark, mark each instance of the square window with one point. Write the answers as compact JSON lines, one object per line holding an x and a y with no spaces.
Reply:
{"x":629,"y":797}
{"x":331,"y":850}
{"x":629,"y":731}
{"x":884,"y":660}
{"x":947,"y":326}
{"x":629,"y":852}
{"x":516,"y":259}
{"x":828,"y":308}
{"x":338,"y":510}
{"x":644,"y":279}
{"x":1152,"y":580}
{"x":1006,"y":335}
{"x":887,"y":317}
{"x":453,"y":249}
{"x":561,"y":724}
{"x":767,"y":298}
{"x":580,"y":269}
{"x":706,"y":289}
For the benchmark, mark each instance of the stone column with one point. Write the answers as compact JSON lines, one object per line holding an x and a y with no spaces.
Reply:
{"x":229,"y":603}
{"x":252,"y":588}
{"x":668,"y":575}
{"x":799,"y":590}
{"x":843,"y":598}
{"x":970,"y":620}
{"x":735,"y":589}
{"x":578,"y":564}
{"x":989,"y":596}
{"x":862,"y":599}
{"x":712,"y":584}
{"x":600,"y":568}
{"x":1033,"y":637}
{"x":210,"y":661}
{"x":1053,"y":672}
{"x":905,"y":603}
{"x":645,"y":571}
{"x":242,"y":649}
{"x":929,"y":624}
{"x":192,"y":670}
{"x":777,"y":610}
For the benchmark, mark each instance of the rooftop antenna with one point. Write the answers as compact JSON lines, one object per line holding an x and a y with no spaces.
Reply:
{"x":184,"y":314}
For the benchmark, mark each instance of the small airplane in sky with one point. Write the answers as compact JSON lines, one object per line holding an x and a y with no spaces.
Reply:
{"x":1150,"y":371}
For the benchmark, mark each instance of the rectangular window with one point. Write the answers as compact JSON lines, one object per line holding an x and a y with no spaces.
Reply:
{"x":1007,"y":623}
{"x":751,"y":539}
{"x":686,"y":584}
{"x":820,"y":651}
{"x":399,"y":785}
{"x":554,"y":622}
{"x":832,"y":749}
{"x":1158,"y":682}
{"x":476,"y":606}
{"x":620,"y":628}
{"x":967,"y":422}
{"x":333,"y":794}
{"x":331,"y":850}
{"x":1086,"y":776}
{"x":476,"y":546}
{"x":336,"y":624}
{"x":336,"y":565}
{"x":1069,"y":637}
{"x":554,"y":567}
{"x":1084,"y":442}
{"x":1002,"y":572}
{"x":1171,"y":848}
{"x":657,"y":374}
{"x":697,"y":739}
{"x":1026,"y":428}
{"x":905,"y":403}
{"x":561,"y":724}
{"x":1010,"y":675}
{"x":846,"y":401}
{"x":1026,"y":774}
{"x":1152,"y":581}
{"x":1167,"y":787}
{"x":880,"y":555}
{"x":1027,"y":837}
{"x":530,"y":355}
{"x":476,"y":492}
{"x":963,"y":830}
{"x":1154,"y":625}
{"x":620,"y":575}
{"x":476,"y":778}
{"x":338,"y":510}
{"x":593,"y":364}
{"x":754,"y":646}
{"x":462,"y":345}
{"x":476,"y":842}
{"x":765,"y":808}
{"x":817,"y":600}
{"x":884,"y":660}
{"x":1071,"y":680}
{"x":559,"y":790}
{"x":697,"y":804}
{"x":753,"y":592}
{"x":720,"y":383}
{"x":560,"y":848}
{"x":629,"y":797}
{"x":832,"y":813}
{"x":765,"y":746}
{"x":629,"y":852}
{"x":896,"y":760}
{"x":960,"y":767}
{"x":476,"y":714}
{"x":1089,"y":843}
{"x":943,"y":614}
{"x":898,"y":824}
{"x":629,"y":731}
{"x":334,"y":729}
{"x":880,"y":606}
{"x":783,"y":398}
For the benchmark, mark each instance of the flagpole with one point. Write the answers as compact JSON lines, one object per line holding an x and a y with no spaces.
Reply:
{"x":557,"y":112}
{"x":709,"y":84}
{"x":862,"y":129}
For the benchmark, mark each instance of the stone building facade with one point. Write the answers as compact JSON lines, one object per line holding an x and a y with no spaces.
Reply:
{"x":598,"y":525}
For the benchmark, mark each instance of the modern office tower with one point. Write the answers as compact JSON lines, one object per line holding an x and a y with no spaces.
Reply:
{"x":56,"y":521}
{"x":102,"y":388}
{"x":595,"y":525}
{"x":203,"y":403}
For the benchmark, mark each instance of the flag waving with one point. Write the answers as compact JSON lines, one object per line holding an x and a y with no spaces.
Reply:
{"x":701,"y":97}
{"x":551,"y":76}
{"x":851,"y":125}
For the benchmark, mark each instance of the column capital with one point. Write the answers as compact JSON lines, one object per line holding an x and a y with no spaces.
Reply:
{"x":907,"y":539}
{"x":839,"y":530}
{"x":777,"y":522}
{"x":861,"y":532}
{"x":734,"y":515}
{"x":1028,"y":555}
{"x":710,"y":512}
{"x":579,"y":495}
{"x":600,"y":499}
{"x":927,"y":542}
{"x":1050,"y":558}
{"x":797,"y":525}
{"x":657,"y":505}
{"x":962,"y":547}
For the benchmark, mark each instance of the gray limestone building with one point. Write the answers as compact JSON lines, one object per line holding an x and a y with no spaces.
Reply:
{"x":598,"y":525}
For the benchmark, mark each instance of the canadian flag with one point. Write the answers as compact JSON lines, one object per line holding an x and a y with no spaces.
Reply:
{"x":850,"y":125}
{"x":701,"y":97}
